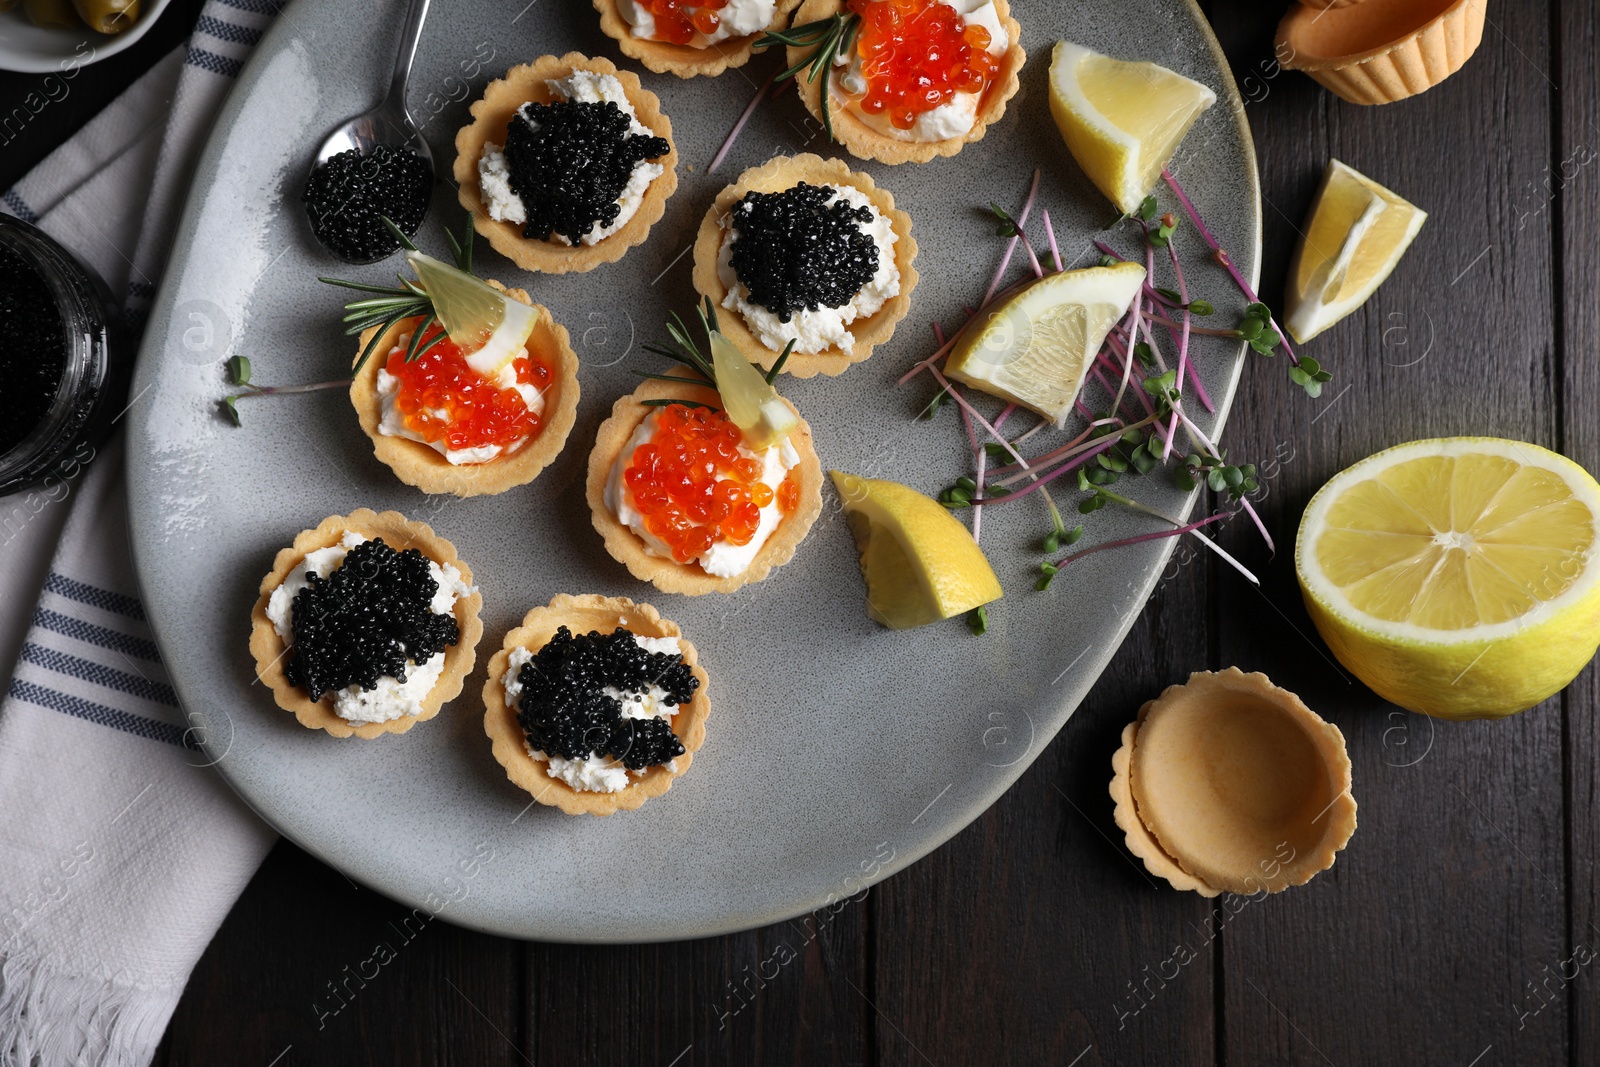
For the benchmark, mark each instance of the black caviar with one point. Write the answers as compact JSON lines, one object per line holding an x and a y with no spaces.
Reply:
{"x":347,"y":195}
{"x":569,"y":161}
{"x":565,"y":714}
{"x":796,"y":251}
{"x":34,"y":355}
{"x":365,"y":619}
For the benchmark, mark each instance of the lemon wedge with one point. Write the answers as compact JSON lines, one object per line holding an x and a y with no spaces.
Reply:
{"x":748,"y":398}
{"x":1356,"y":233}
{"x":920,"y":563}
{"x":1035,"y":347}
{"x":1121,"y":120}
{"x":1457,"y":577}
{"x":490,"y":328}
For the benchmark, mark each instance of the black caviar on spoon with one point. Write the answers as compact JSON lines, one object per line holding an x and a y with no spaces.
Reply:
{"x":373,"y":165}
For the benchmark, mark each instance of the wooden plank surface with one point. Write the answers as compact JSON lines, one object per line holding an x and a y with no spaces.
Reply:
{"x":1571,"y":198}
{"x":1451,"y":930}
{"x":1452,"y":895}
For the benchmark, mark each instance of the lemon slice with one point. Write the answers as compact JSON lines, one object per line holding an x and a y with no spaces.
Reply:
{"x":920,"y":563}
{"x":1457,"y":577}
{"x":1034,"y":348}
{"x":1122,"y":120}
{"x":491,"y":329}
{"x":1356,"y":233}
{"x":748,"y":398}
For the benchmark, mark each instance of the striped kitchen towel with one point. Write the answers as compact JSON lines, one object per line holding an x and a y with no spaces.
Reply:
{"x":121,"y":851}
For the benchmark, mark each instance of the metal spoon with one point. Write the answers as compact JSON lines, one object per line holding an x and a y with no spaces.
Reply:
{"x":389,"y":123}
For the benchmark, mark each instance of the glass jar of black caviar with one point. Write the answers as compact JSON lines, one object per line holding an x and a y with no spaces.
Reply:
{"x":63,"y":368}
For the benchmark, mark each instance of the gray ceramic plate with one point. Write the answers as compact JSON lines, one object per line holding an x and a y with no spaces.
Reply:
{"x":837,"y":752}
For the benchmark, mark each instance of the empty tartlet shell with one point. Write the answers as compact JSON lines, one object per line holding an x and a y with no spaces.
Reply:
{"x":686,"y":61}
{"x":1227,"y":783}
{"x":582,"y":614}
{"x":425,"y":467}
{"x":865,"y":142}
{"x":1410,"y":52}
{"x":776,"y":175}
{"x":490,"y":117}
{"x":399,"y":533}
{"x":668,"y":575}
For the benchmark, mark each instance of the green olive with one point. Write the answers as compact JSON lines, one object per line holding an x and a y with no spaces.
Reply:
{"x":53,"y":14}
{"x":108,"y":16}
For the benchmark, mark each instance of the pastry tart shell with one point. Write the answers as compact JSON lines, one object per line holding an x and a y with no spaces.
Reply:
{"x":425,"y":467}
{"x":1347,"y":47}
{"x":399,"y":533}
{"x":490,"y":117}
{"x":864,"y":142}
{"x":666,"y":574}
{"x":1227,"y":783}
{"x":582,"y":614}
{"x":776,"y":175}
{"x":686,"y":61}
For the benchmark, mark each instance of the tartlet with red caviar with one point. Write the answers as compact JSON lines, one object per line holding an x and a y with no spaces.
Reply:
{"x":524,"y":420}
{"x":668,"y":544}
{"x":703,"y":483}
{"x":881,"y":98}
{"x":690,"y":39}
{"x":463,"y":386}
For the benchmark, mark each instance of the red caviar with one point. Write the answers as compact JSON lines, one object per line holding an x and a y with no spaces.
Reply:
{"x":916,"y":55}
{"x":477,"y":412}
{"x":694,"y":487}
{"x":678,"y":20}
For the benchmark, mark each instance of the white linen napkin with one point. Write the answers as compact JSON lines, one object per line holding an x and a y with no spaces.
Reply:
{"x":120,"y":851}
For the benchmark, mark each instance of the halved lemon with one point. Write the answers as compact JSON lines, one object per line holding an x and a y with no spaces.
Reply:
{"x":1356,"y":233}
{"x":749,"y":399}
{"x":1122,"y":120}
{"x":920,"y":563}
{"x":489,"y":328}
{"x":1457,"y":577}
{"x":1034,"y":348}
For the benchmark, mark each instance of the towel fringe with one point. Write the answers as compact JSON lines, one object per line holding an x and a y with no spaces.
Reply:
{"x":49,"y":1018}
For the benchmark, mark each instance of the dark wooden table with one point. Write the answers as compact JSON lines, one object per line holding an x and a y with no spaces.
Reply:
{"x":1456,"y":930}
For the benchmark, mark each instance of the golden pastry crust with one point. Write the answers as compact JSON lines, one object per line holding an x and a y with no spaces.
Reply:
{"x":424,"y":467}
{"x":1228,"y":783}
{"x":686,"y":61}
{"x":776,"y":175}
{"x":581,"y":614}
{"x":668,"y":575}
{"x":399,"y":533}
{"x":1139,"y":839}
{"x":493,"y":113}
{"x":865,"y":142}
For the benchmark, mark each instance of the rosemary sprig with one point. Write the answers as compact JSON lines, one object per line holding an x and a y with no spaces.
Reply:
{"x":668,"y":402}
{"x":394,"y":304}
{"x":777,"y":366}
{"x":687,"y":352}
{"x":827,"y":39}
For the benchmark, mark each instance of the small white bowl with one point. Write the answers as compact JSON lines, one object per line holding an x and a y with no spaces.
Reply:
{"x":29,"y":49}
